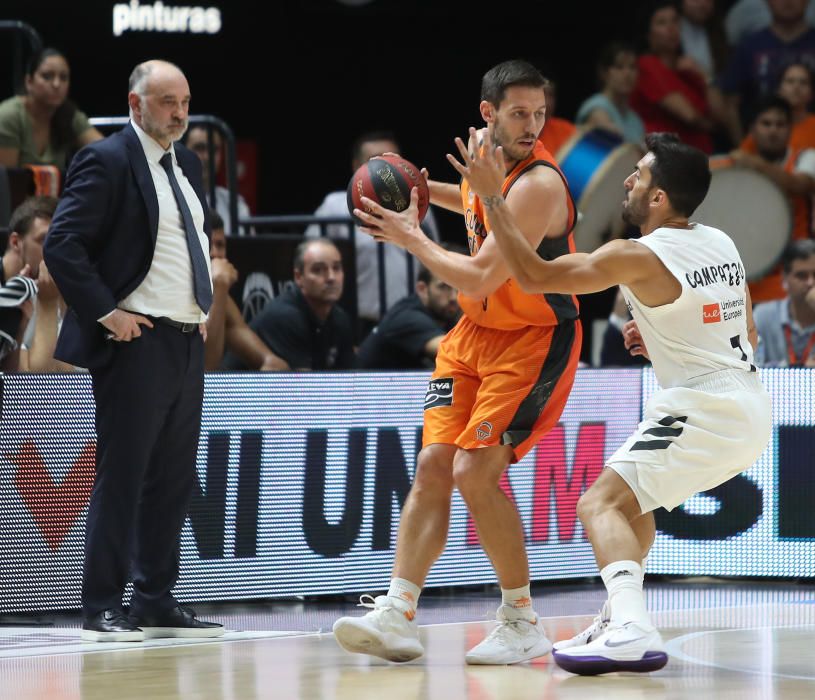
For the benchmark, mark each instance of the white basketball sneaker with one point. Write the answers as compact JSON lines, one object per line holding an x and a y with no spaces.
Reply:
{"x":630,"y":647}
{"x":594,"y":630}
{"x":387,"y":631}
{"x":513,"y":640}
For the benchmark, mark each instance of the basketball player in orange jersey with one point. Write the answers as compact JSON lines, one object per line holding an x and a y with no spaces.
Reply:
{"x":501,"y":381}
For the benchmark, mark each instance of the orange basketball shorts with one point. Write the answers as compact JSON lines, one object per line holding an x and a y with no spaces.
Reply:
{"x":497,"y":387}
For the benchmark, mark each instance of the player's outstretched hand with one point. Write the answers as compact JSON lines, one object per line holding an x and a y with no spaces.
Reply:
{"x":483,"y":167}
{"x":633,"y":340}
{"x":400,"y":228}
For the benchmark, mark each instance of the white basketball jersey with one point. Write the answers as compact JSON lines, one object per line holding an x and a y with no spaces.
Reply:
{"x":705,"y":329}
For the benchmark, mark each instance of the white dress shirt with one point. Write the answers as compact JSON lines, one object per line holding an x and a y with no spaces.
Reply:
{"x":167,"y":290}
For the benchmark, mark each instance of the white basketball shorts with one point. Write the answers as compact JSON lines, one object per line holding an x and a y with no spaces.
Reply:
{"x":693,"y":438}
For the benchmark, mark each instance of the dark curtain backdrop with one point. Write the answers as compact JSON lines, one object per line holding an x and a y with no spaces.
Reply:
{"x":304,"y":78}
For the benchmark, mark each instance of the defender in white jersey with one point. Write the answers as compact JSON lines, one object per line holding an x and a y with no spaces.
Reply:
{"x":685,"y":285}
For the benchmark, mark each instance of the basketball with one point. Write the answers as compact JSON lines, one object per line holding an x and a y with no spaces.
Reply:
{"x":388,"y":180}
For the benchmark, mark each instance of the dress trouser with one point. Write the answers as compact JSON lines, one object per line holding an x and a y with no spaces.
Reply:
{"x":148,"y":419}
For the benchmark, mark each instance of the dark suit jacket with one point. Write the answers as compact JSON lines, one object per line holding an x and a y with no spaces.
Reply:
{"x":101,"y":241}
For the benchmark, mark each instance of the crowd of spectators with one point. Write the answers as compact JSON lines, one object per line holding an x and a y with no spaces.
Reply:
{"x":737,"y":84}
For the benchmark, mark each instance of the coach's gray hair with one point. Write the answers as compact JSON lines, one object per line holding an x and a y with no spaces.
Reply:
{"x":138,"y":78}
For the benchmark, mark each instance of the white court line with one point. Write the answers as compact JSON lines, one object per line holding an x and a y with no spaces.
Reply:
{"x":74,"y":645}
{"x":664,"y":611}
{"x":253,"y":635}
{"x":674,"y":649}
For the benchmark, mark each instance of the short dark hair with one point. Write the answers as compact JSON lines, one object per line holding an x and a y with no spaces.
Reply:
{"x":300,"y":251}
{"x":424,"y":275}
{"x":797,"y":250}
{"x":682,"y":171}
{"x":770,"y":102}
{"x":368,"y":136}
{"x":22,"y":218}
{"x":215,"y":220}
{"x":508,"y":74}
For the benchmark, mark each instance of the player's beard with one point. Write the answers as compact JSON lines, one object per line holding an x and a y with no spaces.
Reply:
{"x":635,"y":211}
{"x":512,"y":152}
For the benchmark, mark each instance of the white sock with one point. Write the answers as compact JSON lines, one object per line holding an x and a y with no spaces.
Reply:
{"x":623,"y":581}
{"x":519,"y":599}
{"x":405,"y":590}
{"x":642,"y":580}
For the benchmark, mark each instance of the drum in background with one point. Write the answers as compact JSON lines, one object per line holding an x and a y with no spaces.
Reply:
{"x":596,"y":163}
{"x":751,"y":209}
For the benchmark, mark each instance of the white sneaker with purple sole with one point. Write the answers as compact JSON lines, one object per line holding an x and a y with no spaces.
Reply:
{"x":630,"y":647}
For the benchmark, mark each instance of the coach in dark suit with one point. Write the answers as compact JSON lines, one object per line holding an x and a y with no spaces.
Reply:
{"x":128,"y":248}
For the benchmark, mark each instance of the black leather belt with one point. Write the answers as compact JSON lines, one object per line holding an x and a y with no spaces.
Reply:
{"x":183,"y":327}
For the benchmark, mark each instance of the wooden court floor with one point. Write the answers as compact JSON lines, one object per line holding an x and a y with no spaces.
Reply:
{"x":725,"y":640}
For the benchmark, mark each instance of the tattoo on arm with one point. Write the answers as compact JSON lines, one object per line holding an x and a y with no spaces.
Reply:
{"x":493,"y":202}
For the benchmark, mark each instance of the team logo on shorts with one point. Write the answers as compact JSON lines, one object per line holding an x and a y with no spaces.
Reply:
{"x":483,"y":431}
{"x":711,"y":313}
{"x":439,"y":393}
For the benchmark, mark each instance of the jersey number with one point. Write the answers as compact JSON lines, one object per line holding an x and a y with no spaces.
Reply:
{"x":735,"y":343}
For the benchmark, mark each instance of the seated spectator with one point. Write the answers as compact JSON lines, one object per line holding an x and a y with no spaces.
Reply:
{"x":791,"y":169}
{"x":40,"y":341}
{"x":36,"y":334}
{"x":28,"y":227}
{"x":613,"y":351}
{"x":226,"y":327}
{"x":16,"y":307}
{"x":409,"y":334}
{"x":796,"y":87}
{"x":747,"y":17}
{"x":304,"y":325}
{"x":786,"y":327}
{"x":610,"y":109}
{"x":556,"y":131}
{"x":197,"y":140}
{"x":703,"y":36}
{"x":760,"y":58}
{"x":335,"y":205}
{"x":671,"y":92}
{"x":43,"y":126}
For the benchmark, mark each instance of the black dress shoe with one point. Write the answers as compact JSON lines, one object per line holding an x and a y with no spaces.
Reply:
{"x":175,"y":622}
{"x":110,"y":626}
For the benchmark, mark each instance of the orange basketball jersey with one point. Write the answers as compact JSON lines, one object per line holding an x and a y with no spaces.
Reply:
{"x":508,"y":307}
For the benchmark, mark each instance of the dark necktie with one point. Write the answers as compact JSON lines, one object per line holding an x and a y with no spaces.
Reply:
{"x":202,"y":287}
